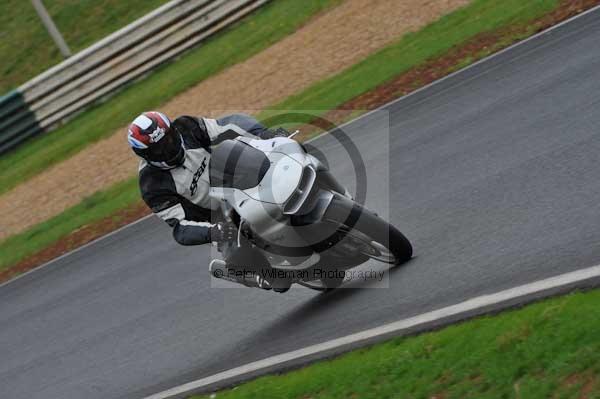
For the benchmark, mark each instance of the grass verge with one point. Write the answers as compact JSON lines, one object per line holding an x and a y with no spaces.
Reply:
{"x":503,"y":27}
{"x":26,"y":48}
{"x":416,"y":48}
{"x":545,"y":350}
{"x":90,"y":210}
{"x":255,"y":32}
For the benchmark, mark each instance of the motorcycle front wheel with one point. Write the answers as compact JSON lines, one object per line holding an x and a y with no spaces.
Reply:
{"x":367,"y":233}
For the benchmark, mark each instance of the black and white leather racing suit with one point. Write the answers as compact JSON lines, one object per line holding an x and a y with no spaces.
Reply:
{"x":179,"y":195}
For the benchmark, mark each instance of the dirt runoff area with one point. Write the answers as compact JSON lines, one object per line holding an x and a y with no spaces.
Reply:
{"x":330,"y":42}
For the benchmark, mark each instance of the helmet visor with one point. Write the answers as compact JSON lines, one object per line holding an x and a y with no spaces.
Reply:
{"x":168,"y":150}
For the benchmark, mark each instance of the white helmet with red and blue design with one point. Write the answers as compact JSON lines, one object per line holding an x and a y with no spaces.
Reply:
{"x":152,"y":138}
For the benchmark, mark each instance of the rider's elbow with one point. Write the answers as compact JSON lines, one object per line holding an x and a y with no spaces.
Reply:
{"x":178,"y":236}
{"x":190,"y":235}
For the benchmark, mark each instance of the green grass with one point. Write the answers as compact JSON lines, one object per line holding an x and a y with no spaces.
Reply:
{"x":254,"y":33}
{"x":545,"y":350}
{"x":414,"y":49}
{"x":411,"y":50}
{"x":91,"y":209}
{"x":26,"y":49}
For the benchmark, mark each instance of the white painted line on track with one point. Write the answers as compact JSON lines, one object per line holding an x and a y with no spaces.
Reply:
{"x":463,"y":308}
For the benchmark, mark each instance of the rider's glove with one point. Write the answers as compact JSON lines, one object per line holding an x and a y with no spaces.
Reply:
{"x":223,"y":231}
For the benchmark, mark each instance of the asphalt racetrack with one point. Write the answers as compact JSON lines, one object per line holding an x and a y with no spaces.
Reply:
{"x":494,"y":175}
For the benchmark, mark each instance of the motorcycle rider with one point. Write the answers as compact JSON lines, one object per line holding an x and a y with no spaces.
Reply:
{"x":174,"y":176}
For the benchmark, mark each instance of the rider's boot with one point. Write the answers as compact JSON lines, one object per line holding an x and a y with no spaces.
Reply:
{"x":218,"y":269}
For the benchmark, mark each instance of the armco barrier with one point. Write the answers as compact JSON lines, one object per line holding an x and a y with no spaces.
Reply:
{"x":63,"y":90}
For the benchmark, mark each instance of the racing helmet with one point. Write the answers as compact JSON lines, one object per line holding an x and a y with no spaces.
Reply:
{"x":152,"y":138}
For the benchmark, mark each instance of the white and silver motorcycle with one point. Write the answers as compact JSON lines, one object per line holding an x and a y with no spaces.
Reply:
{"x":290,"y":209}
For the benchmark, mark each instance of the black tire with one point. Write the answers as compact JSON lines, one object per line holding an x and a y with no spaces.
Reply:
{"x":346,"y":212}
{"x":332,"y":283}
{"x":281,"y":285}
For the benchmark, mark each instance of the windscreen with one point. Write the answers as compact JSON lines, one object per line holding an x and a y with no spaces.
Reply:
{"x":235,"y":164}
